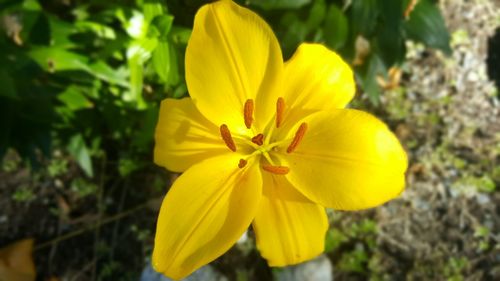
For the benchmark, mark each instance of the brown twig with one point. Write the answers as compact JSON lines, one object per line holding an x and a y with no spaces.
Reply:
{"x":98,"y":224}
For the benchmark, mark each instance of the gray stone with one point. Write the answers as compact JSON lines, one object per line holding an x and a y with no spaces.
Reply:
{"x":206,"y":273}
{"x":319,"y":269}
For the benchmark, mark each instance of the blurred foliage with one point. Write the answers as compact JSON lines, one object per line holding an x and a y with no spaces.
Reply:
{"x":87,"y":76}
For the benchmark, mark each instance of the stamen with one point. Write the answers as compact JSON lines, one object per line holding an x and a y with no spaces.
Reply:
{"x":242,"y":163}
{"x":278,"y":170}
{"x":298,"y":137}
{"x":226,"y":136}
{"x":280,"y":109}
{"x":258,"y":139}
{"x":248,"y":113}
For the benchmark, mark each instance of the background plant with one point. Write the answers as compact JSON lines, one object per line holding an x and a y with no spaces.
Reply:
{"x":87,"y":75}
{"x":81,"y":81}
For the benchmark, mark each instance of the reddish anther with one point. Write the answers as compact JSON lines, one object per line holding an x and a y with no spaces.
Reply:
{"x":298,"y":137}
{"x":242,"y":163}
{"x":248,"y":113}
{"x":258,"y":139}
{"x":280,"y":109}
{"x":278,"y":170}
{"x":226,"y":136}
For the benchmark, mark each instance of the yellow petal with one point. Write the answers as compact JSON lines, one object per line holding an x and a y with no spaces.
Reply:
{"x":317,"y":79}
{"x":184,"y":137}
{"x":347,"y":160}
{"x":205,"y":212}
{"x":289,"y":227}
{"x":232,"y":56}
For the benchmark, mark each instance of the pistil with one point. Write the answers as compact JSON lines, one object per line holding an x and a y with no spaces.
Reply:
{"x":258,"y":139}
{"x":226,"y":136}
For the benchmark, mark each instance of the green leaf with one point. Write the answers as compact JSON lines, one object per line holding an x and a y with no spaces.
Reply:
{"x":160,"y":27}
{"x":126,"y":166}
{"x":426,"y":25}
{"x":100,"y":30}
{"x":136,"y":81}
{"x":28,"y":21}
{"x":7,"y":83}
{"x":333,"y":239}
{"x":279,"y":4}
{"x":57,"y":59}
{"x":368,"y":76}
{"x":316,"y":15}
{"x":336,"y":28}
{"x":364,"y":17}
{"x":142,"y":48}
{"x":31,"y":5}
{"x":389,"y":39}
{"x":161,"y":60}
{"x":138,"y":53}
{"x":104,"y":72}
{"x":74,"y":99}
{"x":295,"y":33}
{"x":40,"y":32}
{"x":152,"y":9}
{"x":78,"y":149}
{"x":391,"y":12}
{"x":180,"y":35}
{"x":173,"y":75}
{"x":136,"y":26}
{"x":60,"y":33}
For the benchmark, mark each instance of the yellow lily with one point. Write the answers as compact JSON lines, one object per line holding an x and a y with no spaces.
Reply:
{"x":263,"y":143}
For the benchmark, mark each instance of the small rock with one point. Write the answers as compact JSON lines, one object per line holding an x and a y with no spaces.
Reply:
{"x":319,"y":269}
{"x":206,"y":273}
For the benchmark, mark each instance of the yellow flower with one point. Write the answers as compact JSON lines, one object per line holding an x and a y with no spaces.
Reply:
{"x":266,"y":143}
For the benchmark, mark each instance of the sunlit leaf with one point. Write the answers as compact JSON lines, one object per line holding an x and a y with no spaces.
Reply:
{"x":104,"y":72}
{"x":136,"y":81}
{"x":160,"y":27}
{"x":31,"y":5}
{"x":152,"y":9}
{"x":55,"y":59}
{"x":100,"y":30}
{"x":78,"y":149}
{"x":138,"y":52}
{"x":74,"y":99}
{"x":136,"y":26}
{"x":161,"y":60}
{"x":173,"y":74}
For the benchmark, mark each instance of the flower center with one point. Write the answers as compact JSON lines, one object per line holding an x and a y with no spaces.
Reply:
{"x":259,"y":143}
